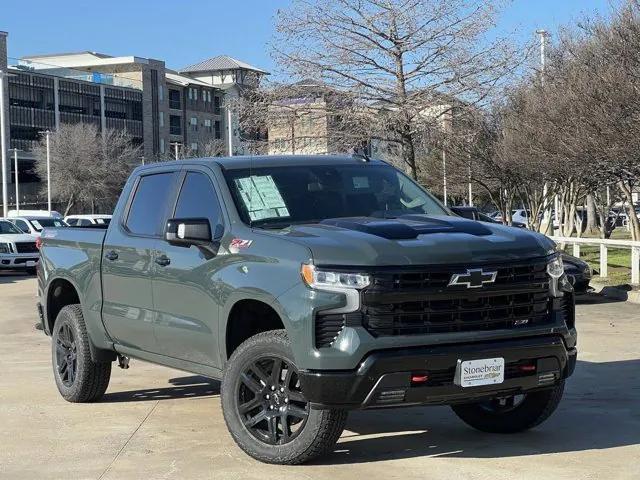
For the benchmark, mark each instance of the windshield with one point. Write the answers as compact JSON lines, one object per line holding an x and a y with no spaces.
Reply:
{"x":276,"y":197}
{"x":8,"y":228}
{"x":41,"y":223}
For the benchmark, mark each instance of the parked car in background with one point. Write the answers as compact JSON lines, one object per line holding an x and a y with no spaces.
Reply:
{"x":35,"y":225}
{"x":578,"y":273}
{"x":17,"y":249}
{"x":519,"y":215}
{"x":33,"y":213}
{"x":87,"y":220}
{"x":472,"y":213}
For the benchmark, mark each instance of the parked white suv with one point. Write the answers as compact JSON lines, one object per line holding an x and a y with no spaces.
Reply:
{"x":34,"y":225}
{"x":18,"y":250}
{"x":86,"y":220}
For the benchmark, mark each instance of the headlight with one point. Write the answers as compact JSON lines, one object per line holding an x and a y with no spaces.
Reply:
{"x":331,"y":280}
{"x":4,"y":248}
{"x":555,"y":268}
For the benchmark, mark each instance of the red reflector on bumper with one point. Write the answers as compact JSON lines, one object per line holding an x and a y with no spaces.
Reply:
{"x":419,"y":378}
{"x":527,"y":368}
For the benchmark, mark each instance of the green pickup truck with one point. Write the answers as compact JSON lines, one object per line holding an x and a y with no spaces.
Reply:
{"x":310,"y":286}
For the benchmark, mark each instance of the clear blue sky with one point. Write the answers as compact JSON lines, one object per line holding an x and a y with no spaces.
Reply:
{"x":184,"y":32}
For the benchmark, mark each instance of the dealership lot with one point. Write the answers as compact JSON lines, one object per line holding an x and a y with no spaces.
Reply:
{"x":155,"y":422}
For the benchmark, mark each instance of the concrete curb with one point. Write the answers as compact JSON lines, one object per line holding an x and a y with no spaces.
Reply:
{"x":617,"y":293}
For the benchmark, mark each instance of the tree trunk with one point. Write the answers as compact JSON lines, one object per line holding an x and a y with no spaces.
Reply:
{"x":634,"y":223}
{"x":592,"y":224}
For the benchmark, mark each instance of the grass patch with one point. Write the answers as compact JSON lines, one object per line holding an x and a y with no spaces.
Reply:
{"x":619,"y":261}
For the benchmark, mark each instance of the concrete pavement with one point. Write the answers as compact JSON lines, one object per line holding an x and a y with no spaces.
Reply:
{"x":159,"y":423}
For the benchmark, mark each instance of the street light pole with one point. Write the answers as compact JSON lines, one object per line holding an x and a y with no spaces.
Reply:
{"x":15,"y":166}
{"x":547,"y":213}
{"x":543,"y":41}
{"x":3,"y":148}
{"x":229,"y":131}
{"x":48,"y":134}
{"x":444,"y":176}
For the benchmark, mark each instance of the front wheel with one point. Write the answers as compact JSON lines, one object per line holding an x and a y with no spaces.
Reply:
{"x":266,"y":411}
{"x":511,"y":414}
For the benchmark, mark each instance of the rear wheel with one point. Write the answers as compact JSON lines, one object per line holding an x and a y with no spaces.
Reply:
{"x":78,"y":377}
{"x":265,"y":409}
{"x":511,"y":414}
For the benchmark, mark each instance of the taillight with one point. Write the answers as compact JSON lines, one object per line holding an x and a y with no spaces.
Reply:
{"x":38,"y":243}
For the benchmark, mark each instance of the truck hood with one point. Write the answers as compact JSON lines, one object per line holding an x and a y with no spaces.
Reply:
{"x":415,"y":240}
{"x":17,"y":237}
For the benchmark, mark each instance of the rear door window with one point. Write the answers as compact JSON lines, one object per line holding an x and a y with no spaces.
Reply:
{"x":148,"y":208}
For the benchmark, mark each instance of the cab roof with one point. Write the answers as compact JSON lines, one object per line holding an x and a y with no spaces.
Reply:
{"x":259,"y":161}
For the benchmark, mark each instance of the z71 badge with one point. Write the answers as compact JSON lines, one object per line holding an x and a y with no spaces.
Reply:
{"x":238,"y":243}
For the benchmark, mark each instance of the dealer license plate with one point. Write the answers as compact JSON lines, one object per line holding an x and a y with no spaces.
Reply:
{"x":473,"y":373}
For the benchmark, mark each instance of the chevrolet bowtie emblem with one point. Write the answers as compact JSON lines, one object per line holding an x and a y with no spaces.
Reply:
{"x":473,"y":278}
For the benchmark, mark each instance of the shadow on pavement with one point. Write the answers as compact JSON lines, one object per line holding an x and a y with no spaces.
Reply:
{"x":599,"y":411}
{"x":13,"y":276}
{"x":193,"y":386}
{"x":595,"y":299}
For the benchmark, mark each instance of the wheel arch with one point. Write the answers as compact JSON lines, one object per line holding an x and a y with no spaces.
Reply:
{"x":61,"y":292}
{"x":246,"y":316}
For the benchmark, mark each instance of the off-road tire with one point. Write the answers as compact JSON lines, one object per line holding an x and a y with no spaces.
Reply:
{"x":91,"y":378}
{"x":534,"y":409}
{"x":318,"y":435}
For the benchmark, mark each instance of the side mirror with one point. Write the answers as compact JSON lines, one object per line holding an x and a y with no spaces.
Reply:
{"x":188,"y":231}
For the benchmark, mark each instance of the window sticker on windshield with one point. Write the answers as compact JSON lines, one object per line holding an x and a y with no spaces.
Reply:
{"x":262,"y":197}
{"x":36,"y":224}
{"x":360,"y":182}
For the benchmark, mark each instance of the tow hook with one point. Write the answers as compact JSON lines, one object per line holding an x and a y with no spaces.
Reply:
{"x":123,"y":362}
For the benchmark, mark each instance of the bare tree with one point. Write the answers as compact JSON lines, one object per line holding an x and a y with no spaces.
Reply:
{"x":405,"y":53}
{"x":87,"y":166}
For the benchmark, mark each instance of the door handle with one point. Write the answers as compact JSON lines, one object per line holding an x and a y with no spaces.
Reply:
{"x":111,"y":255}
{"x":163,"y":260}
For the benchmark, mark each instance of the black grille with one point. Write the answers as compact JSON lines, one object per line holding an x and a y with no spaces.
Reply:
{"x":418,"y":301}
{"x":26,"y":247}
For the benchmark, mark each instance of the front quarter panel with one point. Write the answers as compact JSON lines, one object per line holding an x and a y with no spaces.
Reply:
{"x":262,"y":271}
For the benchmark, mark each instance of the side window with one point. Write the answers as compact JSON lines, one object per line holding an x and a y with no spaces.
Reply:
{"x":72,"y":222}
{"x":198,"y":199}
{"x":83,"y":222}
{"x":147,"y":211}
{"x":22,"y":225}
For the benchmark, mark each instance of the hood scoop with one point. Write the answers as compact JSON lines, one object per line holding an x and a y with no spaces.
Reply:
{"x":408,"y":227}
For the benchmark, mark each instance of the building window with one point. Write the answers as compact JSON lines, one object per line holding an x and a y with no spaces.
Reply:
{"x":175,"y":126}
{"x":216,"y":105}
{"x":207,"y":125}
{"x":217,"y":129}
{"x":194,"y":147}
{"x":174,"y":99}
{"x":194,"y":124}
{"x":162,"y":147}
{"x":161,"y":119}
{"x":160,"y":93}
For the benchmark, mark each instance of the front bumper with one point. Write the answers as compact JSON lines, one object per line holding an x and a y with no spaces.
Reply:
{"x":14,"y":261}
{"x":383,"y":378}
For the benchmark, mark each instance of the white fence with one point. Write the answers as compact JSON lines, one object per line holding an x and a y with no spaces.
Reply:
{"x":605,"y":245}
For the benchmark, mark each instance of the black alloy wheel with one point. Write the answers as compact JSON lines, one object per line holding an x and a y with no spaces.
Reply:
{"x":270,"y":402}
{"x":66,"y":355}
